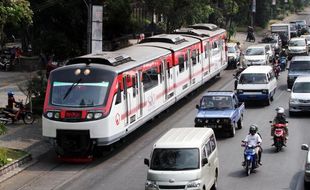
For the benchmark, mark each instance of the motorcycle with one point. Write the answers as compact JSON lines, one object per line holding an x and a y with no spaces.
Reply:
{"x":250,"y":159}
{"x":282,"y":61}
{"x":5,"y":64}
{"x":279,"y":135}
{"x":23,"y":113}
{"x":276,"y":68}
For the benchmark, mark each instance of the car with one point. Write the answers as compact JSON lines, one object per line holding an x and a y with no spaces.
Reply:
{"x":300,"y":95}
{"x":301,"y":26}
{"x":307,"y":166}
{"x":297,"y":46}
{"x":270,"y":51}
{"x":233,"y":55}
{"x":221,"y":111}
{"x":256,"y":55}
{"x":275,"y":41}
{"x":307,"y":37}
{"x":299,"y":65}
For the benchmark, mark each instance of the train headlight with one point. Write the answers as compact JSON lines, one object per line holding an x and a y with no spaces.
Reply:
{"x":97,"y":115}
{"x":56,"y":115}
{"x":90,"y":116}
{"x":49,"y":114}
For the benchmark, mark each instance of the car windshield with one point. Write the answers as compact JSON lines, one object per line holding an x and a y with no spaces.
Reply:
{"x":254,"y":51}
{"x":299,"y":65}
{"x":297,"y":43}
{"x":79,"y":94}
{"x":231,"y":50}
{"x":269,"y":40}
{"x":216,"y":102}
{"x":175,"y":159}
{"x":253,"y":78}
{"x":301,"y":87}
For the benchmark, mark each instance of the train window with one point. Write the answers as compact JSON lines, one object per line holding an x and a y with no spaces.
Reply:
{"x":118,"y":95}
{"x":194,"y":61}
{"x":197,"y":51}
{"x":134,"y":86}
{"x":214,"y":45}
{"x":150,"y":78}
{"x":181,"y":63}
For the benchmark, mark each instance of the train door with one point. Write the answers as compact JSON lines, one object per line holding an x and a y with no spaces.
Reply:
{"x":167,"y":79}
{"x":126,"y":98}
{"x":189,"y":66}
{"x":196,"y":66}
{"x":182,"y":74}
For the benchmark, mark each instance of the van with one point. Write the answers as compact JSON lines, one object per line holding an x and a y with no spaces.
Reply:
{"x":184,"y":158}
{"x":256,"y":83}
{"x":299,"y":65}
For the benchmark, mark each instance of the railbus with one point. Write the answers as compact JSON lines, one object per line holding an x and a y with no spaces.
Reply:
{"x":98,"y":99}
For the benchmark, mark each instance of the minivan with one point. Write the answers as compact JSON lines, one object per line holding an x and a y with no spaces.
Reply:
{"x":184,"y":158}
{"x":256,"y":55}
{"x":256,"y":83}
{"x":299,"y":65}
{"x":297,"y":46}
{"x":300,"y":95}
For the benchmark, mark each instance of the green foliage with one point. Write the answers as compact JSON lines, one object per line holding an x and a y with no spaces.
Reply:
{"x":3,"y":157}
{"x":3,"y":129}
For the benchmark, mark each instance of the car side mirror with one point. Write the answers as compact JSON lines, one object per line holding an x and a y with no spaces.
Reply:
{"x":146,"y":162}
{"x":197,"y":106}
{"x":270,"y":121}
{"x":204,"y":161}
{"x":305,"y":147}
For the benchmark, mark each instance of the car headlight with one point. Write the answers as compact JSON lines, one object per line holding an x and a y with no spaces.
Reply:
{"x":226,"y":120}
{"x":151,"y":185}
{"x":199,"y":120}
{"x":97,"y":115}
{"x":56,"y":115}
{"x":307,"y":166}
{"x":293,"y":100}
{"x":265,"y":91}
{"x":239,"y":91}
{"x":50,"y":114}
{"x":194,"y":184}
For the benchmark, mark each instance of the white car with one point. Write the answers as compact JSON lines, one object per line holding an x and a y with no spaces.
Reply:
{"x":300,"y":95}
{"x":307,"y":166}
{"x":307,"y":37}
{"x":297,"y":46}
{"x":256,"y":55}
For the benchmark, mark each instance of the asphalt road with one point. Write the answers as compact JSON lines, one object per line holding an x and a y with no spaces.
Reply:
{"x":123,"y":169}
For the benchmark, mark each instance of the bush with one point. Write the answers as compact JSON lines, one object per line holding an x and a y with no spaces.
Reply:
{"x":3,"y":157}
{"x":3,"y":129}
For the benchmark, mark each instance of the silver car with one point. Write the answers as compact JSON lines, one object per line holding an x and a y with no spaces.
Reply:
{"x":300,"y":95}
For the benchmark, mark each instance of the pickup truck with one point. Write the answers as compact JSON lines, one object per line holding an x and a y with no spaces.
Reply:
{"x":221,"y":111}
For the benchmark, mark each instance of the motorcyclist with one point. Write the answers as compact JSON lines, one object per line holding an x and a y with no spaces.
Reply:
{"x":283,"y":53}
{"x":250,"y":35}
{"x":280,"y":119}
{"x":254,"y":139}
{"x":10,"y":106}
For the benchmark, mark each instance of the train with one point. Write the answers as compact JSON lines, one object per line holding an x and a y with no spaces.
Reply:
{"x":98,"y":99}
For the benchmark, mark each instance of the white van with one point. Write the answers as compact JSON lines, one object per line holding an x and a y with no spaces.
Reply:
{"x":257,"y":83}
{"x":184,"y":158}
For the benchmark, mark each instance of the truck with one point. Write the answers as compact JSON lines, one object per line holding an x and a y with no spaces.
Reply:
{"x":283,"y":29}
{"x":221,"y":111}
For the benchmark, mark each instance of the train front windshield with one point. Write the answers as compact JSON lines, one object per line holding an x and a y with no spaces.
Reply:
{"x":70,"y":90}
{"x":79,"y":94}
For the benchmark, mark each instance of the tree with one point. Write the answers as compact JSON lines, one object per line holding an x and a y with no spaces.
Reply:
{"x":17,"y":13}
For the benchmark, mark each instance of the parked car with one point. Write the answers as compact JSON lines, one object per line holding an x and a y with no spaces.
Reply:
{"x":275,"y":41}
{"x":233,"y":55}
{"x":256,"y":55}
{"x":307,"y":37}
{"x":300,"y":93}
{"x":270,"y":51}
{"x":307,"y":166}
{"x":299,"y":65}
{"x":297,"y":46}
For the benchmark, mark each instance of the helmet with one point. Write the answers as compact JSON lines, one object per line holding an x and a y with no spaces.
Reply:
{"x":10,"y":93}
{"x":253,"y":129}
{"x":280,"y":110}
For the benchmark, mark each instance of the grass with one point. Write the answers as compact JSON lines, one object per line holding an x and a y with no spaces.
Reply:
{"x":8,"y":155}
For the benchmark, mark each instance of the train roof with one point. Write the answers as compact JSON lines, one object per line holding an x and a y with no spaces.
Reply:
{"x":172,"y":42}
{"x":123,"y":59}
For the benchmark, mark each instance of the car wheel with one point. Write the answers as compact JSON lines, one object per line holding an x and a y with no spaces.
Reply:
{"x":232,"y":131}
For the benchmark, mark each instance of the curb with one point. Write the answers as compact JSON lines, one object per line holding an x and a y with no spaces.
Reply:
{"x":13,"y":165}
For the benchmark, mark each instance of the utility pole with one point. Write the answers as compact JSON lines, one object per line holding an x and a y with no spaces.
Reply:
{"x":89,"y":23}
